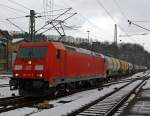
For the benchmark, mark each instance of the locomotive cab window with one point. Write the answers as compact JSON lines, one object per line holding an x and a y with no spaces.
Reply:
{"x":58,"y":54}
{"x":32,"y":52}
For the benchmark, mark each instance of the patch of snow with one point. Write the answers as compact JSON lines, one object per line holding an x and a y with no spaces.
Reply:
{"x":147,"y":86}
{"x":69,"y":107}
{"x":4,"y":80}
{"x":20,"y":112}
{"x":139,"y":75}
{"x":76,"y":101}
{"x":5,"y":92}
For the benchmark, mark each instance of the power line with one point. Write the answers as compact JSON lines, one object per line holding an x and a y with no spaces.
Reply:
{"x":90,"y":22}
{"x":135,"y":34}
{"x":120,"y":9}
{"x":48,"y":5}
{"x":56,"y":14}
{"x":18,"y":10}
{"x":48,"y":22}
{"x":53,"y":11}
{"x":142,"y":21}
{"x":15,"y":25}
{"x":138,"y":26}
{"x":127,"y":35}
{"x":131,"y":23}
{"x":17,"y":17}
{"x":12,"y":1}
{"x":58,"y":23}
{"x":3,"y":22}
{"x":102,"y":6}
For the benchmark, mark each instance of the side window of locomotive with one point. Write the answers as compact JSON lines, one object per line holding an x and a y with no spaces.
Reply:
{"x":39,"y":52}
{"x":58,"y":54}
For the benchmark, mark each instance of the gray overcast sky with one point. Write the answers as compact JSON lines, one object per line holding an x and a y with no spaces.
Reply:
{"x":91,"y":16}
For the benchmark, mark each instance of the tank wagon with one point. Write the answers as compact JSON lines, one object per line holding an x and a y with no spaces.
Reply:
{"x":113,"y":66}
{"x":117,"y":67}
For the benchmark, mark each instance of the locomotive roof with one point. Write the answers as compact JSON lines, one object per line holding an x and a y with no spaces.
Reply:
{"x":61,"y":46}
{"x":25,"y":44}
{"x":84,"y":51}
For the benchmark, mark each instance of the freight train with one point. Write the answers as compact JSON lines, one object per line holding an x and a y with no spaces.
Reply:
{"x":44,"y":68}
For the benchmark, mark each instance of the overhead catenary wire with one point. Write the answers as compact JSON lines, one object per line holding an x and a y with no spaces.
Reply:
{"x":123,"y":14}
{"x":14,"y":2}
{"x":53,"y":19}
{"x":58,"y":23}
{"x":141,"y":21}
{"x":134,"y":34}
{"x":3,"y":21}
{"x":89,"y":21}
{"x":130,"y":22}
{"x":11,"y":18}
{"x":17,"y":17}
{"x":18,"y":10}
{"x":56,"y":14}
{"x":109,"y":14}
{"x":52,"y":11}
{"x":16,"y":25}
{"x":120,"y":9}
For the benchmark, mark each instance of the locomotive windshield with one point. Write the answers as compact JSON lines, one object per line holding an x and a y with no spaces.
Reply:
{"x":32,"y":52}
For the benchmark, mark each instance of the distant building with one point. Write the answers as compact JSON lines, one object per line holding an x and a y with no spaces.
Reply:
{"x":8,"y":48}
{"x":5,"y":58}
{"x":15,"y":47}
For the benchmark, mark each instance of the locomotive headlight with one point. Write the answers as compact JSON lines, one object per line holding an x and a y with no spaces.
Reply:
{"x":39,"y":75}
{"x":16,"y":74}
{"x":29,"y":62}
{"x":39,"y":67}
{"x":18,"y":67}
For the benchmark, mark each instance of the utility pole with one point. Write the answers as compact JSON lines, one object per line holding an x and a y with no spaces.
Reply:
{"x":7,"y":53}
{"x":88,"y":36}
{"x":115,"y":35}
{"x":32,"y":25}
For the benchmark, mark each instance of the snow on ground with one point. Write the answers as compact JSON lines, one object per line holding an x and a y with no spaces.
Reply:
{"x":83,"y":94}
{"x":140,"y":74}
{"x":4,"y":80}
{"x":5,"y":75}
{"x":147,"y":85}
{"x":77,"y":99}
{"x":5,"y":91}
{"x":69,"y":107}
{"x":21,"y":112}
{"x":74,"y":101}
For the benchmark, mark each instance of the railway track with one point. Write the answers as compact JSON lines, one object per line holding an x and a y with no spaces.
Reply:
{"x":110,"y":103}
{"x":11,"y":103}
{"x":4,"y":85}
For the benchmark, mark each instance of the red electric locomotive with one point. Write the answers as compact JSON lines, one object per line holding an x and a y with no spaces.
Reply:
{"x":42,"y":68}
